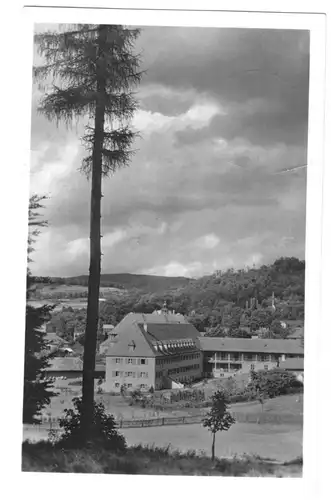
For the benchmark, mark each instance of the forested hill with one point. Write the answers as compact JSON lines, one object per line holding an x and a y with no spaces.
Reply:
{"x":210,"y":296}
{"x":142,"y":282}
{"x":209,"y":301}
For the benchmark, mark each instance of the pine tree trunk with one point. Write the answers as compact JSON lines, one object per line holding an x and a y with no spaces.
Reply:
{"x":95,"y":258}
{"x":213,"y":447}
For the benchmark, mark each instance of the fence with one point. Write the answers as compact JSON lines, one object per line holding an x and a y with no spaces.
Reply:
{"x":241,"y":417}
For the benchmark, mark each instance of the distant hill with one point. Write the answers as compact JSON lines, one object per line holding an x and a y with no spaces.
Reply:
{"x":145,"y":283}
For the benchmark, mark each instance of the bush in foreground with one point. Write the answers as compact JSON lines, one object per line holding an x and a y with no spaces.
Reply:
{"x":149,"y":460}
{"x":105,"y":433}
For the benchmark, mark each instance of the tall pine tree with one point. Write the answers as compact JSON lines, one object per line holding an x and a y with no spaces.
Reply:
{"x":36,"y":390}
{"x":93,"y":69}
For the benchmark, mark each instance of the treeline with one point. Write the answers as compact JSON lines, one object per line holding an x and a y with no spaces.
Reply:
{"x":221,"y":303}
{"x":83,"y":281}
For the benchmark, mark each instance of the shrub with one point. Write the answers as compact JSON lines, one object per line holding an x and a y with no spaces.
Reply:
{"x":274,"y":383}
{"x":105,"y":433}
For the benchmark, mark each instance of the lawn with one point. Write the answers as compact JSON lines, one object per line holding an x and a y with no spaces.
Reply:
{"x":290,"y":404}
{"x":150,"y":460}
{"x":282,"y":442}
{"x":279,"y":442}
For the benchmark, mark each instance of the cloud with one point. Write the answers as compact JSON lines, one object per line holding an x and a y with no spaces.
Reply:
{"x":222,"y":111}
{"x":208,"y":241}
{"x":111,"y":239}
{"x":195,"y":117}
{"x":176,"y":269}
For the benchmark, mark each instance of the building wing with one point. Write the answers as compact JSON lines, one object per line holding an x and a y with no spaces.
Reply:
{"x":275,"y":346}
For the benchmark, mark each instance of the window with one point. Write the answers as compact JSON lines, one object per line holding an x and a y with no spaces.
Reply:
{"x":117,"y":374}
{"x":117,"y":384}
{"x":129,"y":385}
{"x":143,"y":386}
{"x":130,"y":374}
{"x":235,"y":366}
{"x":143,"y":361}
{"x":252,"y":367}
{"x":118,"y":360}
{"x":129,"y":361}
{"x":266,"y":367}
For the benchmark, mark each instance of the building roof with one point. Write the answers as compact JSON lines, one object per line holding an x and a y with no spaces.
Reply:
{"x":294,"y":323}
{"x":135,"y":318}
{"x":53,"y":338}
{"x":292,"y":364}
{"x":164,"y":332}
{"x":275,"y":346}
{"x":298,"y":333}
{"x":138,"y":331}
{"x":108,"y":327}
{"x":65,"y":365}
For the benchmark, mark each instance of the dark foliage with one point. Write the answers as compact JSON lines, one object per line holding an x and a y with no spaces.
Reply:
{"x":151,"y":460}
{"x":36,"y":389}
{"x":104,"y":429}
{"x":272,"y":383}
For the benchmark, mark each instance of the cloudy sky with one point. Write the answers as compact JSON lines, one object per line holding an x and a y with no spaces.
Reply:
{"x":222,"y":112}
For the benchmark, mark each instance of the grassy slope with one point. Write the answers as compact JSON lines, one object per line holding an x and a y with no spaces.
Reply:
{"x":150,"y":460}
{"x":147,"y":283}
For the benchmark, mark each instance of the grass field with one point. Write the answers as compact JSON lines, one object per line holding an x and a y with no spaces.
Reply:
{"x":290,"y":404}
{"x":49,"y":288}
{"x":277,"y":442}
{"x":281,"y":442}
{"x":150,"y":460}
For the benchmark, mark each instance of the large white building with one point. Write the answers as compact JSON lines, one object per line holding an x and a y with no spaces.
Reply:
{"x":156,"y":350}
{"x":223,"y":357}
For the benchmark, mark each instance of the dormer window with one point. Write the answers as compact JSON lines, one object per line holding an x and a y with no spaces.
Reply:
{"x":132,"y":346}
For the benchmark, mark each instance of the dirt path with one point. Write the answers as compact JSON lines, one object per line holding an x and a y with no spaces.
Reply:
{"x":274,"y":442}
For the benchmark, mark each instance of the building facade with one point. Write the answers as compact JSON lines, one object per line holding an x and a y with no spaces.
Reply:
{"x":224,"y":357}
{"x":156,"y":350}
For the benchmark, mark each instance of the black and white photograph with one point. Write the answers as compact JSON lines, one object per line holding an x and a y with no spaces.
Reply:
{"x":167,"y":254}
